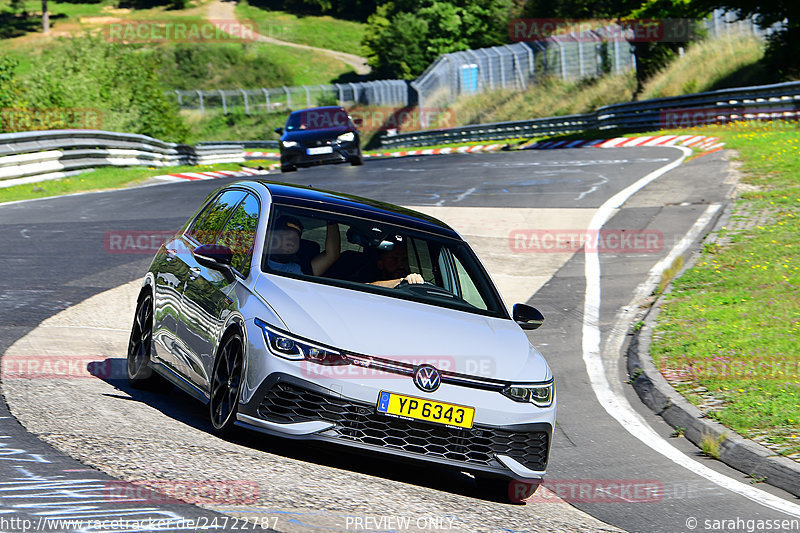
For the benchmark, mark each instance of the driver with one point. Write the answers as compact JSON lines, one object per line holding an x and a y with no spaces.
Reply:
{"x":284,"y":246}
{"x":392,"y":268}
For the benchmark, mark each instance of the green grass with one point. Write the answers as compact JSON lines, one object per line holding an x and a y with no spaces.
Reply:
{"x":731,"y":325}
{"x":706,"y":65}
{"x":711,"y":65}
{"x":320,"y":31}
{"x":101,"y":179}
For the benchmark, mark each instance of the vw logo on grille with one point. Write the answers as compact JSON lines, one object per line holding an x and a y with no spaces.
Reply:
{"x":427,"y":378}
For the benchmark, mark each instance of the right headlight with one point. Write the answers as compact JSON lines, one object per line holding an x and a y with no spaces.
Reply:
{"x":289,"y":144}
{"x":540,"y":394}
{"x":296,"y":348}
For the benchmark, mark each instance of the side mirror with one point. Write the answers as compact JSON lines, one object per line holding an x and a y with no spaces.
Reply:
{"x":358,"y":121}
{"x":214,"y":256}
{"x":527,"y":317}
{"x":279,"y":131}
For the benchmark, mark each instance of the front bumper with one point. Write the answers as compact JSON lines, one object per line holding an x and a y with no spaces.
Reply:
{"x":297,"y":155}
{"x":291,"y":407}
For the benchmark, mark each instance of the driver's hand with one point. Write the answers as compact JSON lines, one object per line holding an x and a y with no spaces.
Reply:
{"x":413,"y":278}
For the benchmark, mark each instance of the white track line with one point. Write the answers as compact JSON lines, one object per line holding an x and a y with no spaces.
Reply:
{"x":616,"y":404}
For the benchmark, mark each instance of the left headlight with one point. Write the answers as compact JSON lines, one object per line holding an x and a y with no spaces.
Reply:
{"x":347,"y":137}
{"x":296,"y":348}
{"x":289,"y":144}
{"x":540,"y":394}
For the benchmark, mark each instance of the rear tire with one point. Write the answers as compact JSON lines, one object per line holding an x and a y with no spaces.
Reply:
{"x":140,"y":374}
{"x":226,"y":383}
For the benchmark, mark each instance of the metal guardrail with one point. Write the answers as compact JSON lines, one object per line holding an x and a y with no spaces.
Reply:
{"x":764,"y":102}
{"x":247,"y":145}
{"x":54,"y":153}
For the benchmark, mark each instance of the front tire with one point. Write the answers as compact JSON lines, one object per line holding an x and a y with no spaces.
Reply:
{"x":226,"y":382}
{"x":288,"y":168}
{"x":140,"y":374}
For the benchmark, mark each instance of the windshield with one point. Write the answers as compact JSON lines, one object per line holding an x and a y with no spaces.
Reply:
{"x":373,"y":256}
{"x":319,"y":119}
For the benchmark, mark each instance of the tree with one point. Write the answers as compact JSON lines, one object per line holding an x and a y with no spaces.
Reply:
{"x":783,"y":52}
{"x":404,"y":37}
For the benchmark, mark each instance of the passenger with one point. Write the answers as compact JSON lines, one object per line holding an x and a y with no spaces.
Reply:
{"x":391,"y":268}
{"x":284,"y":248}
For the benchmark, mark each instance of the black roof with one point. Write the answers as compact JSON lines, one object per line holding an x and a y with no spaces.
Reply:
{"x":296,"y":195}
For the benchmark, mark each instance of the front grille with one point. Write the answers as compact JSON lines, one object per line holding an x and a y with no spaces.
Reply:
{"x":285,"y":403}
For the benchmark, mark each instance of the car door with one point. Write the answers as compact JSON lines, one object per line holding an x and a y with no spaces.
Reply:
{"x":204,"y":230}
{"x":170,"y":275}
{"x":209,"y":296}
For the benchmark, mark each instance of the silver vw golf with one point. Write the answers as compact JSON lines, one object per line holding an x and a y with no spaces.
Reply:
{"x":316,"y":315}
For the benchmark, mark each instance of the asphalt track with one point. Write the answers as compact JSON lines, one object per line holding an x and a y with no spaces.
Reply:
{"x":53,"y":257}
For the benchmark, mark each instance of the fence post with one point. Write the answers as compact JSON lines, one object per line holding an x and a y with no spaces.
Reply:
{"x":616,"y":54}
{"x":224,"y":104}
{"x":202,"y":107}
{"x":308,"y":97}
{"x":288,"y":97}
{"x":502,"y":69}
{"x":246,"y":106}
{"x":180,"y":100}
{"x":266,"y":97}
{"x":420,"y":104}
{"x":355,"y":92}
{"x":580,"y":55}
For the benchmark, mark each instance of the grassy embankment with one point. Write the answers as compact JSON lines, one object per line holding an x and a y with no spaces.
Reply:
{"x":728,"y":336}
{"x":102,"y":179}
{"x":706,"y":66}
{"x":320,"y":31}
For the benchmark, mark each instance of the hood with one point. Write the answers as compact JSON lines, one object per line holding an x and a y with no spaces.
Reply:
{"x":306,"y":136}
{"x":401,"y":330}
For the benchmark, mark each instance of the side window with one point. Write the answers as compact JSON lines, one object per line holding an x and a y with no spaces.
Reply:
{"x":209,"y":223}
{"x":240,"y":233}
{"x":419,"y":259}
{"x":469,"y":292}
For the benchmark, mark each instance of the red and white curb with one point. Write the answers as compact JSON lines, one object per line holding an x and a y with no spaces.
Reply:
{"x":194,"y":176}
{"x":701,"y":142}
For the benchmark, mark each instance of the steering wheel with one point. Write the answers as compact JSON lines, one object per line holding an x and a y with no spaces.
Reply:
{"x":424,"y":287}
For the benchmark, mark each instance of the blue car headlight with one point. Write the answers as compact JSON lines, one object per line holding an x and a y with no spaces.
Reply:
{"x":540,"y":394}
{"x":296,"y":348}
{"x":289,"y":144}
{"x":347,"y":137}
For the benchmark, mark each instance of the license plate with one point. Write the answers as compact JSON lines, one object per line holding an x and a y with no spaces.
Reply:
{"x":319,"y":150}
{"x":391,"y":403}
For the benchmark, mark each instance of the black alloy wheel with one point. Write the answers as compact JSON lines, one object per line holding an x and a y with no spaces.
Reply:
{"x":140,"y":343}
{"x":226,"y":382}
